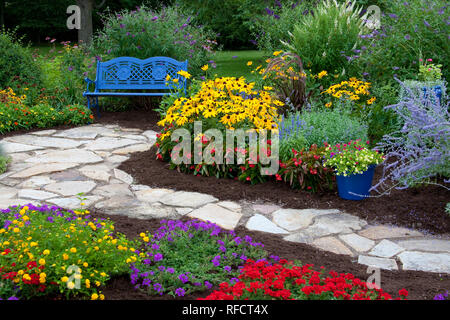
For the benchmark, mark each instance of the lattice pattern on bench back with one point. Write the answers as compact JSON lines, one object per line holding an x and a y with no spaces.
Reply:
{"x":134,"y":73}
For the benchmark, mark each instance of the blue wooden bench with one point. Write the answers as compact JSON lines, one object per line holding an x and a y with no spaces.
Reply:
{"x":127,"y":73}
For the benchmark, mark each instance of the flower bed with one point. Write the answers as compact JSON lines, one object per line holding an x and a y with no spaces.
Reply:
{"x":182,"y":258}
{"x":15,"y":114}
{"x":287,"y":280}
{"x":47,"y":251}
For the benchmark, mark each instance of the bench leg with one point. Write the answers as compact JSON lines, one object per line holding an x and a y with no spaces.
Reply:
{"x":97,"y":106}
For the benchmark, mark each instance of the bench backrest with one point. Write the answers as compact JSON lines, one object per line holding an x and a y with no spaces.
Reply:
{"x":133,"y":73}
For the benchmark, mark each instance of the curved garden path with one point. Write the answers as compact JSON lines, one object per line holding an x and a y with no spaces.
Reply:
{"x":53,"y":166}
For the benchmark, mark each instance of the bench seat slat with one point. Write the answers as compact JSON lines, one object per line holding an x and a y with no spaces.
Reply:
{"x":99,"y":94}
{"x":128,"y":73}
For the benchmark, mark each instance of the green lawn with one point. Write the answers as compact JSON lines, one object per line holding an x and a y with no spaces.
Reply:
{"x":229,"y":63}
{"x":50,"y":50}
{"x":234,"y":63}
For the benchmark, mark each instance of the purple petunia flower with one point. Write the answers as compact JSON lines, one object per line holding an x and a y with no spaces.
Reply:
{"x":425,"y":22}
{"x":183,"y":278}
{"x":208,"y":284}
{"x":227,"y":268}
{"x":170,"y":270}
{"x":158,"y":257}
{"x":180,"y":292}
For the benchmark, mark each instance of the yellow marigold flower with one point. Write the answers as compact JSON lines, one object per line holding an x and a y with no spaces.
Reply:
{"x":42,"y":262}
{"x":276,"y":53}
{"x":73,"y":250}
{"x":371,"y":100}
{"x":185,"y":74}
{"x":322,"y":74}
{"x":64,"y":279}
{"x":175,"y":80}
{"x":65,"y":256}
{"x":102,"y":297}
{"x":205,"y":67}
{"x":329,"y":104}
{"x":70,"y":285}
{"x":249,"y":63}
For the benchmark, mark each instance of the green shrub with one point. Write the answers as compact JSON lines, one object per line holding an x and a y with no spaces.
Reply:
{"x":145,"y":33}
{"x":64,"y":76}
{"x":16,"y":60}
{"x":410,"y":30}
{"x":275,"y":24}
{"x":232,"y":20}
{"x":318,"y":126}
{"x":325,"y":40}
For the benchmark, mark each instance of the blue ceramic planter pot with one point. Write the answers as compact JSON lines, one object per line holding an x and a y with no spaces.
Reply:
{"x":356,"y":186}
{"x":437,"y":91}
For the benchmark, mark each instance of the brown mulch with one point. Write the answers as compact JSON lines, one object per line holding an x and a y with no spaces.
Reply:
{"x":421,"y":285}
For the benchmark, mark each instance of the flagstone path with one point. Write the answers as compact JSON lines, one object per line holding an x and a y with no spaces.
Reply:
{"x":52,"y":167}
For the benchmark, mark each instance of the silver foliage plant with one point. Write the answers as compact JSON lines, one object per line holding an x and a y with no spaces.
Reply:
{"x":420,"y":152}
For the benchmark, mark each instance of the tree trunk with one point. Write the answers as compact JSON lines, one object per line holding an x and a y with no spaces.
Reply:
{"x":85,"y":32}
{"x":2,"y":13}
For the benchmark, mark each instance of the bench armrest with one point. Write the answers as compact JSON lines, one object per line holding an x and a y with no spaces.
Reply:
{"x":88,"y":81}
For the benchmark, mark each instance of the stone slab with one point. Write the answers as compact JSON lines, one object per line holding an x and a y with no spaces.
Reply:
{"x":46,"y":142}
{"x":430,"y":245}
{"x":113,"y":190}
{"x":43,"y":168}
{"x":152,"y":195}
{"x":425,"y":261}
{"x":67,"y":156}
{"x":386,"y":249}
{"x":333,"y":245}
{"x":97,"y":172}
{"x":295,"y":219}
{"x":123,"y":176}
{"x":187,"y":199}
{"x":226,"y":219}
{"x":260,"y":223}
{"x":7,"y":192}
{"x":357,"y":242}
{"x":109,"y":143}
{"x":71,"y":188}
{"x":387,"y":232}
{"x":75,"y":203}
{"x":230,"y":205}
{"x":11,"y":147}
{"x":382,"y":263}
{"x":35,"y":194}
{"x":134,"y":148}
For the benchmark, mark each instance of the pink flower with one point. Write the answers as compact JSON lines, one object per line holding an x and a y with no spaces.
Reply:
{"x":430,"y":60}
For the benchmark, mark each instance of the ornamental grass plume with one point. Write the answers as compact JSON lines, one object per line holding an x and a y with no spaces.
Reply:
{"x":288,"y":77}
{"x":420,"y":151}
